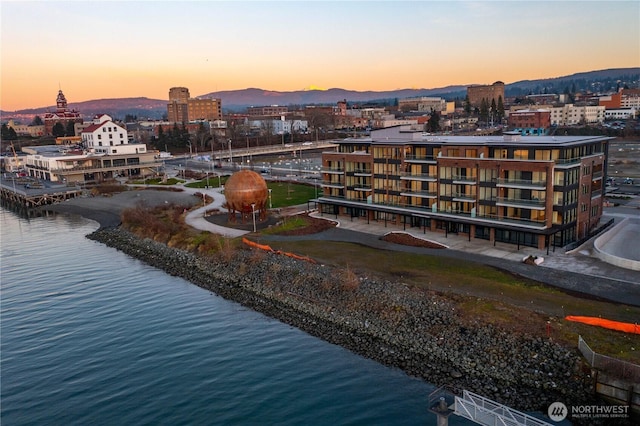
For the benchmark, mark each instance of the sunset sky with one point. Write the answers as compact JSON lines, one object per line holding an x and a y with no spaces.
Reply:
{"x":114,"y":49}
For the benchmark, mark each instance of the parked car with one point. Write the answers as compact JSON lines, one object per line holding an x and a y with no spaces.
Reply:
{"x":628,"y":181}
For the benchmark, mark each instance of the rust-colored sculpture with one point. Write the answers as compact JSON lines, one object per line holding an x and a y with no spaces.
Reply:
{"x":243,"y":189}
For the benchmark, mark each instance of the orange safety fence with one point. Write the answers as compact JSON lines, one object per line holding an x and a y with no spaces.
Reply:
{"x":268,"y":248}
{"x":256,"y":245}
{"x":605,"y":323}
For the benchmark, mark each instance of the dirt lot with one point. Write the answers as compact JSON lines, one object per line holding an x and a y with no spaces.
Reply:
{"x":624,"y":160}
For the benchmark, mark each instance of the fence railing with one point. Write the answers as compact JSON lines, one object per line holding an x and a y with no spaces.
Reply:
{"x":623,"y":369}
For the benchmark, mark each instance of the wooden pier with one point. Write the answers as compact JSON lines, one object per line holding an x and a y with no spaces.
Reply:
{"x":17,"y":196}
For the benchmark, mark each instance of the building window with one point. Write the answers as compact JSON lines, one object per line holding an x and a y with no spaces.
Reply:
{"x":99,"y":136}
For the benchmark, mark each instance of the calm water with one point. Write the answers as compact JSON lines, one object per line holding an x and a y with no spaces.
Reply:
{"x":90,"y":336}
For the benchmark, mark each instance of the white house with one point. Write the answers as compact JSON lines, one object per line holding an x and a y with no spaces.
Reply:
{"x":106,"y":137}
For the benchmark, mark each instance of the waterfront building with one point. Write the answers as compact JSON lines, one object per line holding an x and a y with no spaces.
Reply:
{"x":537,"y":191}
{"x":62,"y":115}
{"x":107,"y":154}
{"x":477,"y":93}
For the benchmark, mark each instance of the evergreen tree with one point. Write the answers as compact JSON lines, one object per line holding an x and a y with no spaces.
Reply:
{"x":8,"y":133}
{"x":37,"y":121}
{"x":467,"y":105}
{"x":58,"y":130}
{"x":70,"y":130}
{"x":500,"y":109}
{"x":433,"y":125}
{"x":484,"y":110}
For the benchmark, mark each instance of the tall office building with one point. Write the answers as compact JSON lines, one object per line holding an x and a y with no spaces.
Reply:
{"x":183,"y":109}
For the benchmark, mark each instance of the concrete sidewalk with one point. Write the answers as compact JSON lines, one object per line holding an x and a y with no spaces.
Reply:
{"x":196,"y":219}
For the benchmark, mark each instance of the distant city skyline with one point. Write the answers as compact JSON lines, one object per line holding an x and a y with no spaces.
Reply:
{"x":121,"y":49}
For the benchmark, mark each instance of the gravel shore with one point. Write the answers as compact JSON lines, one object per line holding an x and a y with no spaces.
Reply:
{"x":414,"y":330}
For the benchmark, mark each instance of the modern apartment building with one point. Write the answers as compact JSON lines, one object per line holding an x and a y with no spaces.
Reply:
{"x":538,"y":191}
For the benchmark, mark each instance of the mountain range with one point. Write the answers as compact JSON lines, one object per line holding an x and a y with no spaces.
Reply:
{"x":603,"y":81}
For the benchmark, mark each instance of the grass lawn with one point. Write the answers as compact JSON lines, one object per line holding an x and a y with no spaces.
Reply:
{"x":283,"y":194}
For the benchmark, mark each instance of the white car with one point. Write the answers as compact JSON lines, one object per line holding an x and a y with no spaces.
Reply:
{"x":307,"y":143}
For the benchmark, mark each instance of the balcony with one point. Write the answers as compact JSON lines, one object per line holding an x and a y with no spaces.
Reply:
{"x":520,"y":203}
{"x":465,"y":180}
{"x":521,"y":183}
{"x":420,"y":194}
{"x":359,"y":172}
{"x":419,"y":159}
{"x":425,"y":177}
{"x":332,"y":170}
{"x":460,"y":196}
{"x":359,"y":187}
{"x":332,"y":184}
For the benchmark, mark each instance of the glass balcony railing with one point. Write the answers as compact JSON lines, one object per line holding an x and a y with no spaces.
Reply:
{"x":519,"y":201}
{"x":522,"y":182}
{"x":332,"y":183}
{"x":461,"y":178}
{"x":418,"y":176}
{"x":332,"y":170}
{"x":412,"y":193}
{"x":360,"y":187}
{"x":412,"y":157}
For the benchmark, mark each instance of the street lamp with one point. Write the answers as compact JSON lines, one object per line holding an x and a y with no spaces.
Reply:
{"x":253,"y":213}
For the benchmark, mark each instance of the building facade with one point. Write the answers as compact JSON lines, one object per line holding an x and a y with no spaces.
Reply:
{"x":537,"y":191}
{"x":491,"y":92}
{"x":530,"y":122}
{"x":184,"y":109}
{"x":267,"y":110}
{"x":573,"y":115}
{"x":62,"y":115}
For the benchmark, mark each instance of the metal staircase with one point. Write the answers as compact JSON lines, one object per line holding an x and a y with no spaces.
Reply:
{"x":478,"y":409}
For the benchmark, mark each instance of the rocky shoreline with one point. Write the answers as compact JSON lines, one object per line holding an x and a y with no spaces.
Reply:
{"x":416,"y":331}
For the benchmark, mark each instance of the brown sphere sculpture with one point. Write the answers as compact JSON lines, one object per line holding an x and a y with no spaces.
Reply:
{"x":243,"y":189}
